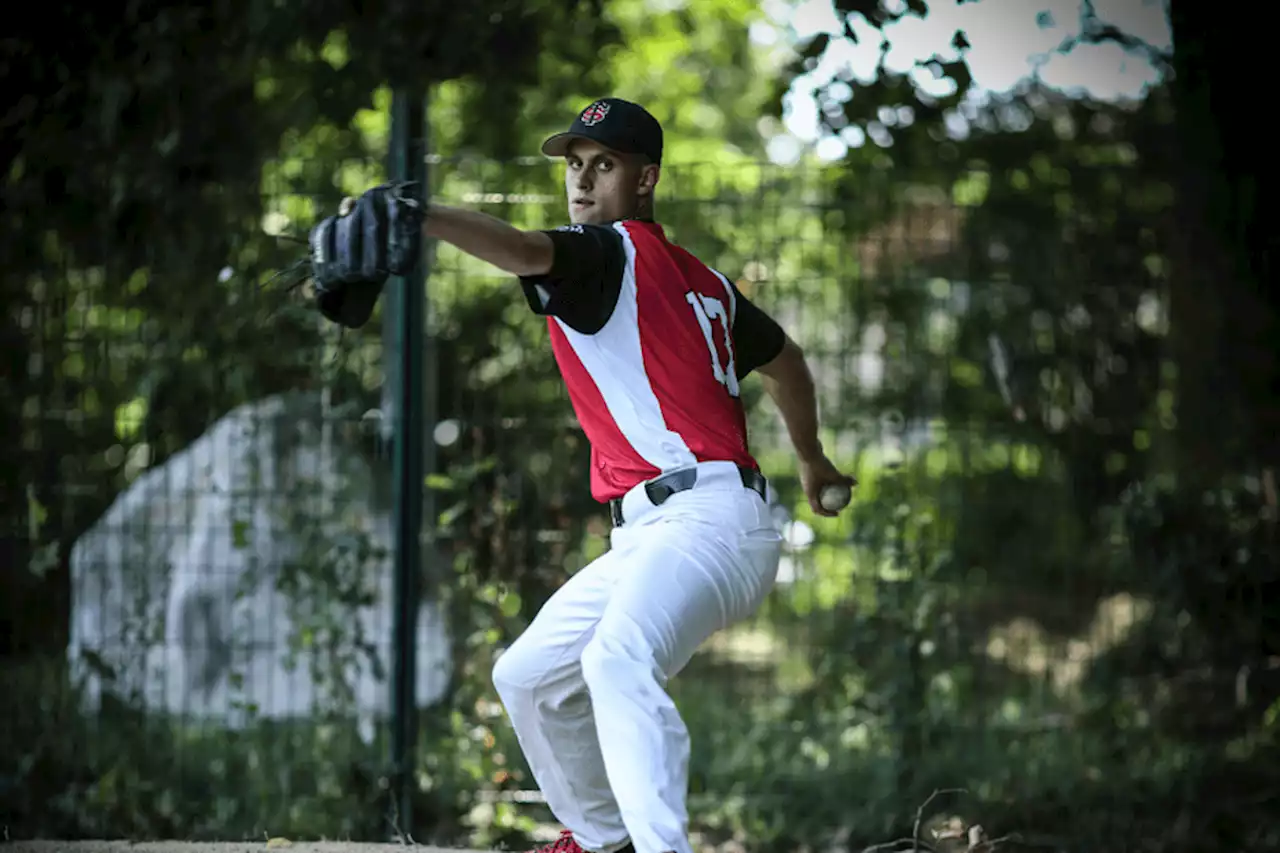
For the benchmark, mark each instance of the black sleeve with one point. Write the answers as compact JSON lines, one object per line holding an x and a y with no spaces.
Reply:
{"x":585,"y":279}
{"x":757,"y":338}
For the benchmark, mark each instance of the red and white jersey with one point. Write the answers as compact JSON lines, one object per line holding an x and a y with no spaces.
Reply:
{"x":650,"y":345}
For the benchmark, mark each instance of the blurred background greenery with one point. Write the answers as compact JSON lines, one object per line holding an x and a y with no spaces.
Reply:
{"x":1055,"y":588}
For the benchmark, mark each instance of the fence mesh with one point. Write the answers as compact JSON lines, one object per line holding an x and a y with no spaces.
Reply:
{"x":984,"y":616}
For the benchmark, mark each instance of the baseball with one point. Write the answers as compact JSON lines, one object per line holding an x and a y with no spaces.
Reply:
{"x":834,"y":498}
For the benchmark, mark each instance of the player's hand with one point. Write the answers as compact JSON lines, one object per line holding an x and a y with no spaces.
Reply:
{"x":817,"y":474}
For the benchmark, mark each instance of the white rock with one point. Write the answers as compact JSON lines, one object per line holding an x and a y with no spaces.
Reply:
{"x":179,"y":589}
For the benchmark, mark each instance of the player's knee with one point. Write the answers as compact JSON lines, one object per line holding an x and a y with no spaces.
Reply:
{"x":513,"y":674}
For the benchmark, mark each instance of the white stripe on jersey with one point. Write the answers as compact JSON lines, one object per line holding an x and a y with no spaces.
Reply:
{"x":733,"y":299}
{"x":731,"y":368}
{"x":615,"y":361}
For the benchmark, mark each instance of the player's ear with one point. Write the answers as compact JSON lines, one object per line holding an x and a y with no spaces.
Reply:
{"x":649,"y":174}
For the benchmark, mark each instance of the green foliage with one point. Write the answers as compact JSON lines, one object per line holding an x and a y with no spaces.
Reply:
{"x":1027,"y":599}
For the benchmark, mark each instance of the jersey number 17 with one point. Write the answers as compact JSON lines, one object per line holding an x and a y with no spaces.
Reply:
{"x":709,"y":311}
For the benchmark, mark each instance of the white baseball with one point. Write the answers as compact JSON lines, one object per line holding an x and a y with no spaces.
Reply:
{"x":834,"y":498}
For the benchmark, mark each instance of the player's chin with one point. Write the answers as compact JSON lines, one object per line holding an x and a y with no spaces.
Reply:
{"x":584,"y":214}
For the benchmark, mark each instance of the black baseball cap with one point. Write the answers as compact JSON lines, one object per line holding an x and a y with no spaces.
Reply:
{"x":614,"y":123}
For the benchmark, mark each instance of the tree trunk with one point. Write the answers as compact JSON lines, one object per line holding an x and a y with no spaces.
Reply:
{"x":1223,"y":312}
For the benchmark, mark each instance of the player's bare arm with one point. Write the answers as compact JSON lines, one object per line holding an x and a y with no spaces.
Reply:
{"x":789,"y":383}
{"x":522,"y":253}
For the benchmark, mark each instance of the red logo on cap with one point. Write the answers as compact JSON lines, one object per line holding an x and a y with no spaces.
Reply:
{"x":595,"y":113}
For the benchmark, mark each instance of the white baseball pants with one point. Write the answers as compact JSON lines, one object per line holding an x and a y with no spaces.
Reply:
{"x":584,"y":686}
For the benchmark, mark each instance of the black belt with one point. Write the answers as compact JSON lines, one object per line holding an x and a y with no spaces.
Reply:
{"x":659,"y":489}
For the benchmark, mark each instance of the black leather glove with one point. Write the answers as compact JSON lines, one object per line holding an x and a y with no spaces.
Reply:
{"x":377,"y":235}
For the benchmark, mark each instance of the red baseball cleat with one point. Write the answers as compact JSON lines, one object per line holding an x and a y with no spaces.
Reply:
{"x":567,"y":844}
{"x":564,"y":844}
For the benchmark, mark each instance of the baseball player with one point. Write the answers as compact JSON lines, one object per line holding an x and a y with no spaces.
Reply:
{"x":652,"y":345}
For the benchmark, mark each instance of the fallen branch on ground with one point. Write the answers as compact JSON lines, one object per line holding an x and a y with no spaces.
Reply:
{"x":956,"y":837}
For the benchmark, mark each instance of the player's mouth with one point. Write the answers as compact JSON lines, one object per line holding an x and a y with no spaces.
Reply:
{"x":582,"y":203}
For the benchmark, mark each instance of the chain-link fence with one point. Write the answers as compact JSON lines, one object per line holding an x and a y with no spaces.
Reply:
{"x":989,"y":364}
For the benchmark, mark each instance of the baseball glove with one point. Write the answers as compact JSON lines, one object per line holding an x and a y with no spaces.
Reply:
{"x":373,"y":236}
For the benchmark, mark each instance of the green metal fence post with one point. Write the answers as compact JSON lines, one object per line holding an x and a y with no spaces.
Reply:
{"x":409,"y":163}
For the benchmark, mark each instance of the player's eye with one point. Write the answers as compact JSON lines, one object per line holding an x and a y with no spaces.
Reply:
{"x":605,"y":165}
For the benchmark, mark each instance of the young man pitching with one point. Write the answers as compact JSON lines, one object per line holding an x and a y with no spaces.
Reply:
{"x":652,"y":345}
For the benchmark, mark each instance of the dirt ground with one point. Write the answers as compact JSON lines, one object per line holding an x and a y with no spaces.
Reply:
{"x":281,"y":845}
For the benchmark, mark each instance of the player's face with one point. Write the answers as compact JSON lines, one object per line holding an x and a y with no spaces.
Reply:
{"x":602,"y":185}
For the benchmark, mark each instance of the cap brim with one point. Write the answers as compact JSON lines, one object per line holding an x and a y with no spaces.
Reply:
{"x":558,"y":145}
